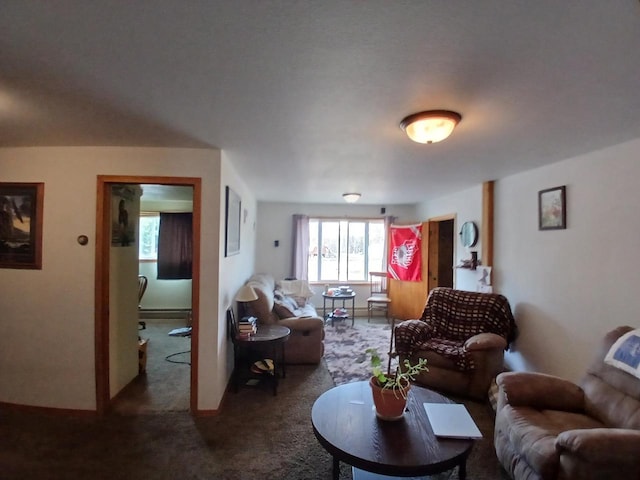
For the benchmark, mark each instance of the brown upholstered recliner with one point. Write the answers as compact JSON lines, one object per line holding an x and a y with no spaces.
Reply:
{"x":549,"y":428}
{"x":463,"y":336}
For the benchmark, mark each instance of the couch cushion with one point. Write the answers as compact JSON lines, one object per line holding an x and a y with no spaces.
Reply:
{"x":308,"y":310}
{"x":283,"y":309}
{"x":532,"y":433}
{"x":450,"y":349}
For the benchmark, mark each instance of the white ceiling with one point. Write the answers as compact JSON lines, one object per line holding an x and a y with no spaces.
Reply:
{"x":305,"y":97}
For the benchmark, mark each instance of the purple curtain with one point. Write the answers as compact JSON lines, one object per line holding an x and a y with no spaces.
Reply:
{"x":299,"y":264}
{"x":175,"y":246}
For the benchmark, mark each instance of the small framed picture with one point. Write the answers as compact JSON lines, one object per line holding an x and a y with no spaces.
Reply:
{"x":552,"y":209}
{"x":21,"y":225}
{"x":232,"y":223}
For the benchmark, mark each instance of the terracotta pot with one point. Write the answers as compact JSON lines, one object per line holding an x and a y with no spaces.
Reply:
{"x":390,"y":404}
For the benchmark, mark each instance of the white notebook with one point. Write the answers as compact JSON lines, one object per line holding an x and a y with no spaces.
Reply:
{"x":451,"y":420}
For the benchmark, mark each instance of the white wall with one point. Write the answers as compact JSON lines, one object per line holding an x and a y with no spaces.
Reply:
{"x":569,"y":287}
{"x":232,"y":273}
{"x":164,"y":294}
{"x":123,"y":304}
{"x":566,"y":287}
{"x":467,"y":207}
{"x":47,"y":355}
{"x":275,"y":222}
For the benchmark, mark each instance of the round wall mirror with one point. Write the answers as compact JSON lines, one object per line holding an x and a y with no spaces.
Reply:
{"x":469,"y":234}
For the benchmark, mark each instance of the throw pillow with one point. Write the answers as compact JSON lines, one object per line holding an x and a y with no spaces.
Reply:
{"x":282,"y":310}
{"x":625,"y":353}
{"x":291,"y":303}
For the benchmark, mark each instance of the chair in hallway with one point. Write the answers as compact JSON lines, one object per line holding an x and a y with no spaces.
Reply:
{"x":142,"y":287}
{"x":378,"y":299}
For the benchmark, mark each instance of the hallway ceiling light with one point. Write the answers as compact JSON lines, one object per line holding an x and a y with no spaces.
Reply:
{"x":431,"y":126}
{"x":351,"y":197}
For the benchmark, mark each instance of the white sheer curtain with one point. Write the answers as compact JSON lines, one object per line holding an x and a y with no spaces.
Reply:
{"x":299,"y":264}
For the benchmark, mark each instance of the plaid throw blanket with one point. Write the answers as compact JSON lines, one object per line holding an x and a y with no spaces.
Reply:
{"x":450,"y":318}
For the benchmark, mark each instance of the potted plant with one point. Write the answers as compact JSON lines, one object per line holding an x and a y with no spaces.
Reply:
{"x":390,"y":391}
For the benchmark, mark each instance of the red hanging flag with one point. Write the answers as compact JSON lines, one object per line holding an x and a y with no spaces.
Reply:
{"x":405,"y":259}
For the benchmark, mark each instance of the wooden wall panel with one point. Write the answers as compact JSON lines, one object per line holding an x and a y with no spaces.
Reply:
{"x":486,"y":228}
{"x":409,"y":298}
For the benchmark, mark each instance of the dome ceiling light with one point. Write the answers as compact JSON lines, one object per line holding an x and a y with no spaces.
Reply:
{"x":351,"y":197}
{"x":431,"y":126}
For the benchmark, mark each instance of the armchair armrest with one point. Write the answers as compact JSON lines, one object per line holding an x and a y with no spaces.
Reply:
{"x":602,"y":445}
{"x":410,"y":333}
{"x":485,"y":341}
{"x":540,"y":391}
{"x":302,"y":324}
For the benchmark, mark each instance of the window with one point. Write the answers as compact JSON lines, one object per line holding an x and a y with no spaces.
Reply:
{"x":148,"y":246}
{"x":345,"y":250}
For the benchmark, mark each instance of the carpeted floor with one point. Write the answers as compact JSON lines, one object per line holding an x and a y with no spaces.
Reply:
{"x":165,"y":387}
{"x":345,"y":348}
{"x":257,"y":436}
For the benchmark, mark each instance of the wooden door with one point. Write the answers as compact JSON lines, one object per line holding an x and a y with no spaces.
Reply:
{"x":409,"y":298}
{"x":433,"y":270}
{"x":445,"y":254}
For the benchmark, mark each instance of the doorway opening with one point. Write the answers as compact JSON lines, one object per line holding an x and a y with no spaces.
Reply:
{"x":441,"y":252}
{"x":114,"y":372}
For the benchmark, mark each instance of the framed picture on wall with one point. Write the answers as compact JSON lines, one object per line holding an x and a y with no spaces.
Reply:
{"x":21,"y":225}
{"x":552,"y":209}
{"x":232,"y":223}
{"x":122,"y":230}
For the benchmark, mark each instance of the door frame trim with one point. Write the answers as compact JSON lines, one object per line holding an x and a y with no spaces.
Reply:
{"x":102,"y":253}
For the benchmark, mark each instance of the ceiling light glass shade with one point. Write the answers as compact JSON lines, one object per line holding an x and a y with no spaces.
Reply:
{"x":430,"y":127}
{"x":351,"y":197}
{"x":246,"y":294}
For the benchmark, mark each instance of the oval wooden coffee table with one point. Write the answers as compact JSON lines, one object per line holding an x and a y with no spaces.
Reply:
{"x":345,"y":424}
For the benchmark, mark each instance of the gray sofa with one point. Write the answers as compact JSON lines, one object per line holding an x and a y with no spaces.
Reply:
{"x":306,"y":343}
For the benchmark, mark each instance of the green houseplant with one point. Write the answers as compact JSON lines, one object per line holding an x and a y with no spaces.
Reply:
{"x":390,"y":390}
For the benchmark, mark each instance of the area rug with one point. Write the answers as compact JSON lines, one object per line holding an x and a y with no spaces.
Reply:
{"x":346,"y":345}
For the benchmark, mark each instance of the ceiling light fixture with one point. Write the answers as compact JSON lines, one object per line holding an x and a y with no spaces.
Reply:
{"x":351,"y":197}
{"x":431,"y":126}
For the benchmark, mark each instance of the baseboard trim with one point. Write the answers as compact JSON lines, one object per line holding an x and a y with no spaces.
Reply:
{"x":153,"y":313}
{"x":207,"y":413}
{"x":66,"y":412}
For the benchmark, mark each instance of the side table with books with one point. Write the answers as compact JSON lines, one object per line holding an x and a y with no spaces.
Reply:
{"x":247,"y":326}
{"x":258,"y":353}
{"x":341,"y":312}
